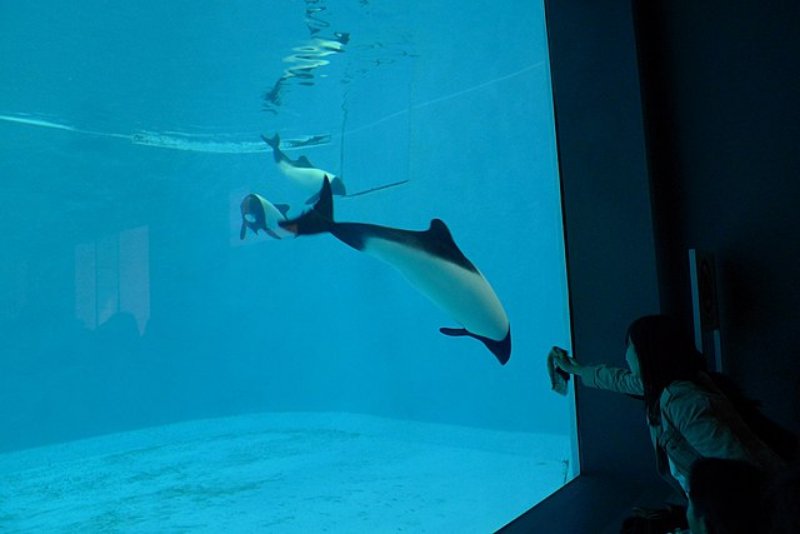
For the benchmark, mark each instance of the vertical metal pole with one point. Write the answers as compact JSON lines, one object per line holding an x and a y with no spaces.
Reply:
{"x":705,"y":310}
{"x":693,"y":278}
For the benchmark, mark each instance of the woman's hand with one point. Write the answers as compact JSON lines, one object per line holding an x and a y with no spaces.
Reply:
{"x":563,"y":361}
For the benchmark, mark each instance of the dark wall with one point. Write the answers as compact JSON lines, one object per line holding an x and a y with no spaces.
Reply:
{"x":711,"y":89}
{"x":611,"y":254}
{"x":608,"y":222}
{"x":721,"y":86}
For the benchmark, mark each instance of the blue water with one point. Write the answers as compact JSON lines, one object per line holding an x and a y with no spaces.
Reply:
{"x":129,"y":134}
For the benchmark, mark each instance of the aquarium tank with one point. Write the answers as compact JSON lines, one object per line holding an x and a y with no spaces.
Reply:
{"x":279,"y":266}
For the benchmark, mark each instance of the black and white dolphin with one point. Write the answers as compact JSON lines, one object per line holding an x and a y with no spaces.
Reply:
{"x":258,"y":213}
{"x":302,"y":171}
{"x":430,"y":260}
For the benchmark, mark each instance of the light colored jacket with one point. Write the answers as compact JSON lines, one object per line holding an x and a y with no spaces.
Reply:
{"x":697,"y":421}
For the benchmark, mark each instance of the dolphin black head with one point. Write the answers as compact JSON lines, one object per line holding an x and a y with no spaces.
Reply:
{"x":253,"y":215}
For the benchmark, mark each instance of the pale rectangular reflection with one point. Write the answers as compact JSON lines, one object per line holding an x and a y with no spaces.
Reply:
{"x":112,"y":275}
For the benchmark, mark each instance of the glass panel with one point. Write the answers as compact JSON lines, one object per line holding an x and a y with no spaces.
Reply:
{"x":163,"y":367}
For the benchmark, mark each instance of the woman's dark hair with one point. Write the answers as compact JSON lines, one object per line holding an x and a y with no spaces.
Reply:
{"x":665,"y":354}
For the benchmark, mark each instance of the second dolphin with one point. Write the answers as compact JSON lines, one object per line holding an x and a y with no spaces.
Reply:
{"x":430,"y":260}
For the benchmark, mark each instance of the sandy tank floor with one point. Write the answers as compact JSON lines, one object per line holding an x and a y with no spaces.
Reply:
{"x":286,"y":472}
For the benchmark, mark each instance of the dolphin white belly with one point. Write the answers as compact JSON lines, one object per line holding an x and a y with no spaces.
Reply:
{"x":464,"y":294}
{"x":306,"y":177}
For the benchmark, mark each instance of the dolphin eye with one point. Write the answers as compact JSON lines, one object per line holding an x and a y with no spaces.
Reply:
{"x":250,"y":218}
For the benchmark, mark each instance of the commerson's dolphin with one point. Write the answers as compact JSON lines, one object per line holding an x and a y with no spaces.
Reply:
{"x":430,"y":260}
{"x":258,"y":213}
{"x":302,"y":171}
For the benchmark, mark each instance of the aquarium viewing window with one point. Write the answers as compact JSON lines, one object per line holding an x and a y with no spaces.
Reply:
{"x":279,"y":266}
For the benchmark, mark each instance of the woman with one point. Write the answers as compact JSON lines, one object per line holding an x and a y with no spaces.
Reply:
{"x":688,"y":416}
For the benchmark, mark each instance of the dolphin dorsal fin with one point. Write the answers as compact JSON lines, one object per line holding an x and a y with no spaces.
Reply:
{"x":283,"y":208}
{"x":439,"y":231}
{"x":303,"y":161}
{"x":439,"y":241}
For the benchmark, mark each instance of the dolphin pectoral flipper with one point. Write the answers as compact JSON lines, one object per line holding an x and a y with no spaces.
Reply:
{"x":501,"y":349}
{"x":454,"y":332}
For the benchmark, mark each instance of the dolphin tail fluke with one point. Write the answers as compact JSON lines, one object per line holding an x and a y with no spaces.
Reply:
{"x":312,"y":199}
{"x":337,"y":188}
{"x":318,"y":219}
{"x":501,"y":349}
{"x":274,"y":141}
